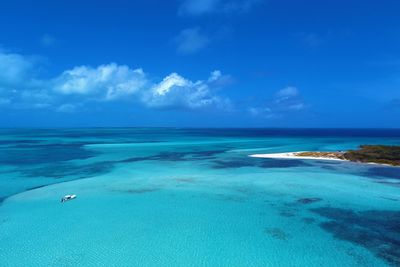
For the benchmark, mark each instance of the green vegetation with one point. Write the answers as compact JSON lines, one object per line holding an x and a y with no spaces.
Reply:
{"x":380,"y":154}
{"x":375,"y":153}
{"x":318,"y":154}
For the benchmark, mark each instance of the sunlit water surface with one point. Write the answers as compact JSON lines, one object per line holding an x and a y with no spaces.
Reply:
{"x":193,"y":197}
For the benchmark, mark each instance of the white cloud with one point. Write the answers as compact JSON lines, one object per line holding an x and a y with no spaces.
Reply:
{"x":76,"y":87}
{"x":284,"y":101}
{"x":287,"y":99}
{"x":106,"y":82}
{"x":256,"y":111}
{"x":190,"y":41}
{"x":18,"y":80}
{"x":14,"y":68}
{"x":34,"y":98}
{"x":286,"y":94}
{"x":215,"y":76}
{"x":174,"y":91}
{"x":202,"y":7}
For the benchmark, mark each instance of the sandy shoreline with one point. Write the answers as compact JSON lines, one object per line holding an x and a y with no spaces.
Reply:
{"x":290,"y":155}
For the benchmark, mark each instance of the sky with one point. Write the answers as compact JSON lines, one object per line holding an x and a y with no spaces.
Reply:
{"x":200,"y":63}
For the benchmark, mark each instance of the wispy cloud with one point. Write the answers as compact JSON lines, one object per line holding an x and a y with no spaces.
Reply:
{"x":261,"y":111}
{"x":18,"y":80}
{"x":68,"y":108}
{"x":14,"y":68}
{"x":284,"y":101}
{"x":202,"y":7}
{"x":174,"y":91}
{"x":288,"y":98}
{"x":190,"y":41}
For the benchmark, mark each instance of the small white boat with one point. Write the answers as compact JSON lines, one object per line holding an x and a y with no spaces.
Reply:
{"x":68,"y":198}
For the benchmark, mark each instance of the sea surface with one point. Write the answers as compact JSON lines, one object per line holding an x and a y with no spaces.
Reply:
{"x":193,"y":197}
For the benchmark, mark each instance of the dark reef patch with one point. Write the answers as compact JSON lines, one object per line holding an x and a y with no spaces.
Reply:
{"x":177,"y":156}
{"x":282,"y":163}
{"x":188,"y":155}
{"x":135,"y":159}
{"x":397,"y":184}
{"x":288,"y":209}
{"x":277,"y":233}
{"x":384,"y":172}
{"x":308,"y":200}
{"x":170,"y":156}
{"x":255,"y":162}
{"x":73,"y":171}
{"x":33,"y":158}
{"x":139,"y":190}
{"x":376,"y":230}
{"x":18,"y":142}
{"x":389,"y":198}
{"x":232,"y":163}
{"x":44,"y":154}
{"x":329,"y":168}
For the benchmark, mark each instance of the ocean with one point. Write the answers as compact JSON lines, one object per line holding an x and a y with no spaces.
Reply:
{"x":194,"y":197}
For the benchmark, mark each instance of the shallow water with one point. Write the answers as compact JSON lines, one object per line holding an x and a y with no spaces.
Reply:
{"x":193,"y":197}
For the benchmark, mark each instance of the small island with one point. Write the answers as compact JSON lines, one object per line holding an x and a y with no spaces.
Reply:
{"x":377,"y":154}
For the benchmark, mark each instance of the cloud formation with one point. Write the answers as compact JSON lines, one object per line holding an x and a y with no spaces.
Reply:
{"x":17,"y":74}
{"x":79,"y":85}
{"x":174,"y":91}
{"x":68,"y":108}
{"x":287,"y":99}
{"x":14,"y":67}
{"x":202,"y":7}
{"x":190,"y":41}
{"x":284,"y":101}
{"x":106,"y":82}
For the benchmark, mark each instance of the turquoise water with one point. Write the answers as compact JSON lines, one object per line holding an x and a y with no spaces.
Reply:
{"x":193,"y":197}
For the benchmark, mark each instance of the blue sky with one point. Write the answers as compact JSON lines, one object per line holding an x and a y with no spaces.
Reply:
{"x":199,"y":63}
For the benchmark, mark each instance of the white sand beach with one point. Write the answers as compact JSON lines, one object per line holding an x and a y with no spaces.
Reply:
{"x":290,"y":155}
